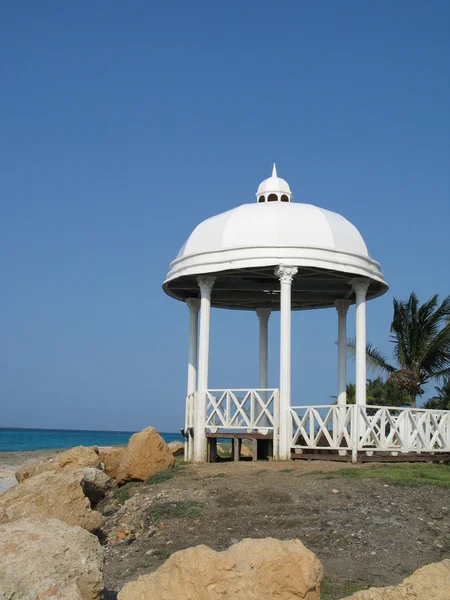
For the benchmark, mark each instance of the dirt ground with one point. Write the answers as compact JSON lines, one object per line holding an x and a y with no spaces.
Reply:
{"x":365,"y":531}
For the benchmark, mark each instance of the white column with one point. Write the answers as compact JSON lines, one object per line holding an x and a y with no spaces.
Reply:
{"x":342,"y":308}
{"x":263,"y":316}
{"x":193,"y":305}
{"x":285,"y":275}
{"x":360,"y":285}
{"x":205,"y":283}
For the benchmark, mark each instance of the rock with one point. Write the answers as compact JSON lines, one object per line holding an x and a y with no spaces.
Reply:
{"x":110,"y":457}
{"x":96,"y":484}
{"x":51,"y":495}
{"x":78,"y":457}
{"x":35,"y":467}
{"x":246,"y":452}
{"x":49,"y":559}
{"x":251,"y":570}
{"x":429,"y":582}
{"x":146,"y":454}
{"x":177,"y":448}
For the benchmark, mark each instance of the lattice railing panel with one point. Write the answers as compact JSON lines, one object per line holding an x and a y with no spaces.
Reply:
{"x":370,"y":428}
{"x":321,"y":427}
{"x":241,"y":409}
{"x":403,"y":429}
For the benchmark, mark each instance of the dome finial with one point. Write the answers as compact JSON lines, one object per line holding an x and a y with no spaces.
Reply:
{"x":274,"y":189}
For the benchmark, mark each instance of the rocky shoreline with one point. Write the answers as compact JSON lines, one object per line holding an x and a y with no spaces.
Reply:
{"x":122,"y":522}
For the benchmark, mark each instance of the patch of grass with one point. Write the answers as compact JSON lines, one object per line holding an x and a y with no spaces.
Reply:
{"x":334,"y":588}
{"x":224,"y":450}
{"x":286,"y":470}
{"x":188,"y":509}
{"x":317,"y":472}
{"x":163,"y":476}
{"x":122,"y":494}
{"x":400,"y":474}
{"x":161,"y":553}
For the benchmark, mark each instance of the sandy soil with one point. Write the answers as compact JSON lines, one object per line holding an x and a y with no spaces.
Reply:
{"x":365,"y":531}
{"x":11,"y":461}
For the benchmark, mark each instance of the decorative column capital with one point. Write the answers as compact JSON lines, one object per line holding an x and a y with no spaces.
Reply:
{"x":360,"y":285}
{"x":342,"y":306}
{"x":193,"y":304}
{"x":263,"y":314}
{"x":205,"y":283}
{"x":285,"y":274}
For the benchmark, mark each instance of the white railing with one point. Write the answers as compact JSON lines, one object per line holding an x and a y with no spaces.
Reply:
{"x":370,"y":429}
{"x":322,"y":427}
{"x":247,"y":410}
{"x":384,"y":428}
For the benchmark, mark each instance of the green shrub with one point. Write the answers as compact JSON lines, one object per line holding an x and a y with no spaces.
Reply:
{"x":122,"y":494}
{"x":175,"y":510}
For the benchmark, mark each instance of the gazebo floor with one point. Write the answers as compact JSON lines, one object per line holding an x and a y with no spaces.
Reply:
{"x":363,"y":457}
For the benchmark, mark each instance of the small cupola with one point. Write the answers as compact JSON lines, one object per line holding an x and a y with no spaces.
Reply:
{"x":274,"y":189}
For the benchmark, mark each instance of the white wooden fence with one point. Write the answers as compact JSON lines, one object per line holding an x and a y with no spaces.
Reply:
{"x":370,"y":429}
{"x":350,"y":428}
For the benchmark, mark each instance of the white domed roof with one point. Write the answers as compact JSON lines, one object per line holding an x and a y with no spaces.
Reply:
{"x":243,"y":246}
{"x":275,"y":225}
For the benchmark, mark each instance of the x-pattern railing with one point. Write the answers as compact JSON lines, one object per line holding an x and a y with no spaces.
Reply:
{"x":404,"y":429}
{"x":370,"y":428}
{"x":241,"y":409}
{"x":321,"y":426}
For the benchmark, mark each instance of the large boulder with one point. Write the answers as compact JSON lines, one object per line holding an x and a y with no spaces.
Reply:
{"x":35,"y":467}
{"x":431,"y":582}
{"x":75,"y":458}
{"x":51,"y":495}
{"x":251,"y":570}
{"x":49,"y":559}
{"x":177,"y":448}
{"x":146,"y":454}
{"x":110,"y":457}
{"x":80,"y":457}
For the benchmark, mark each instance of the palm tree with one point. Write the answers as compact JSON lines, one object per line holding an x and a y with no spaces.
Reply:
{"x":379,"y":393}
{"x":442,"y":400}
{"x":421,"y":338}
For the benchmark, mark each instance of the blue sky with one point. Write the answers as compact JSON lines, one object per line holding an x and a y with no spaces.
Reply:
{"x":123,"y":125}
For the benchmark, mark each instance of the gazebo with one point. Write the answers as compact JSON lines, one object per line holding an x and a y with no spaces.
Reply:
{"x":277,"y":255}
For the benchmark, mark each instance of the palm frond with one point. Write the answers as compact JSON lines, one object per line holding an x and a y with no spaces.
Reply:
{"x":376,"y":362}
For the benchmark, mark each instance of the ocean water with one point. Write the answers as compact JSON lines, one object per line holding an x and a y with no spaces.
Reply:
{"x":20,"y":440}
